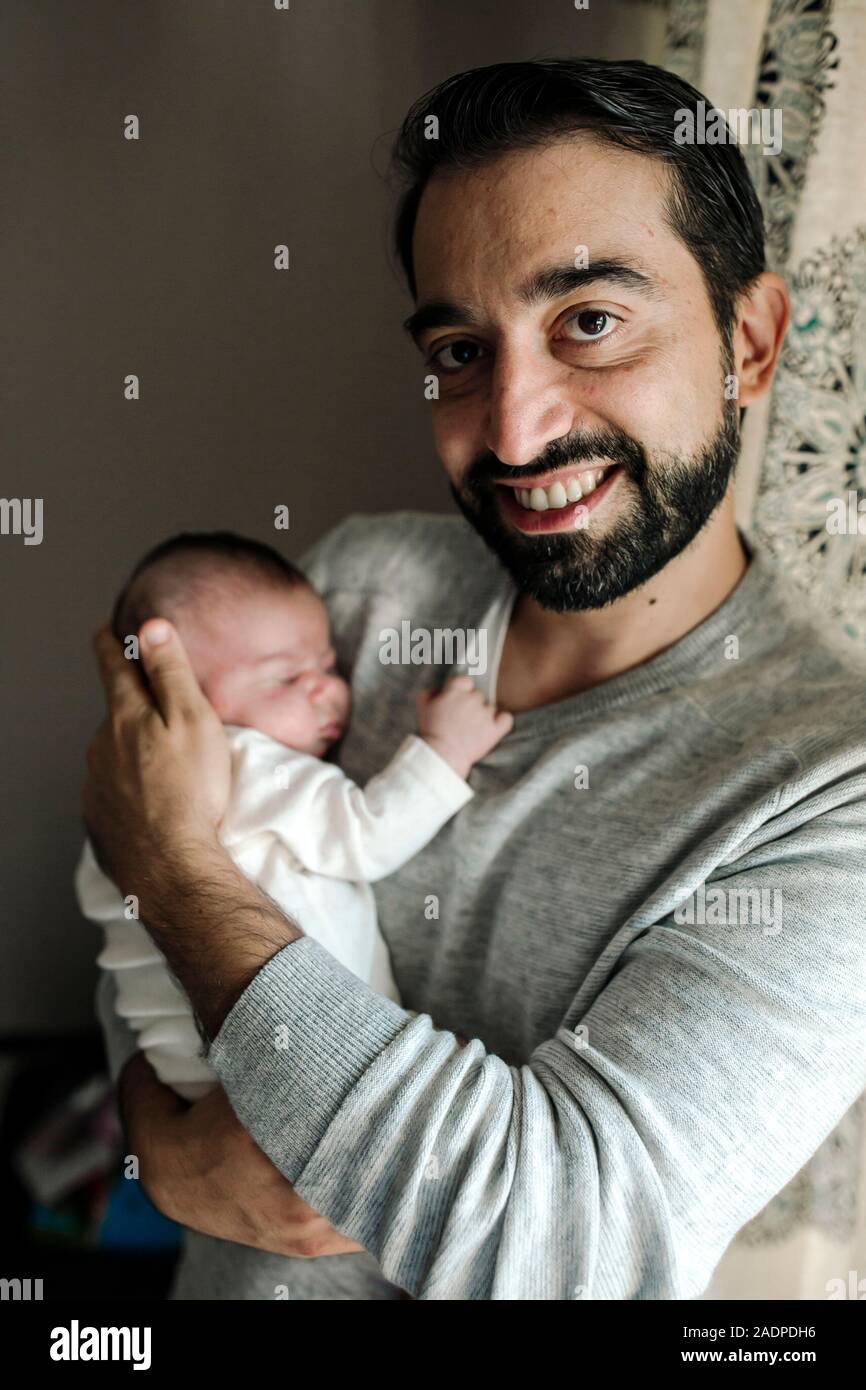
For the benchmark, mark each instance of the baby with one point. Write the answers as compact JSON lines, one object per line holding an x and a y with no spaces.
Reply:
{"x":257,"y":636}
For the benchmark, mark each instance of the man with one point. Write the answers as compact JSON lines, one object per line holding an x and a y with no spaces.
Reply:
{"x":648,"y":921}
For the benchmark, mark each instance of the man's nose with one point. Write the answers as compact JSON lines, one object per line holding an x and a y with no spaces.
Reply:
{"x":531,"y":403}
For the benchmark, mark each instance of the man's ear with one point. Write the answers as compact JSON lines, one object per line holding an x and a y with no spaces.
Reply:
{"x":763,"y":314}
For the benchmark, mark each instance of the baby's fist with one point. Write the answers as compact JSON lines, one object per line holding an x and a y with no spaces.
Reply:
{"x":459,"y":724}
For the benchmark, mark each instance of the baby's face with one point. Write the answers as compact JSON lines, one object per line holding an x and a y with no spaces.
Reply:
{"x":264,"y":659}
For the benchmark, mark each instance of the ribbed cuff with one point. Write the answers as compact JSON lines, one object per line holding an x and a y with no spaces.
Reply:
{"x":295,"y":1044}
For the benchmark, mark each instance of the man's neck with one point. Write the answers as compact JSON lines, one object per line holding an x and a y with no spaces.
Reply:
{"x":549,"y":656}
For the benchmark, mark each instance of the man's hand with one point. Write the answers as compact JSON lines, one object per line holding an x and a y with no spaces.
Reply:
{"x":199,"y":1166}
{"x":158,"y":785}
{"x":159,"y":768}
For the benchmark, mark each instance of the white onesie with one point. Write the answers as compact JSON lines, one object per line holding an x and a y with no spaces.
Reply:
{"x":313,"y":841}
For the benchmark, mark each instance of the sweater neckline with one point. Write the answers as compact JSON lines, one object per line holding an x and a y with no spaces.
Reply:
{"x":676,"y":665}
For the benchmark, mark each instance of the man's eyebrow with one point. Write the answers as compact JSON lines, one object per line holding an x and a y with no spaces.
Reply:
{"x":439,"y":313}
{"x":550,"y":283}
{"x":557,"y":280}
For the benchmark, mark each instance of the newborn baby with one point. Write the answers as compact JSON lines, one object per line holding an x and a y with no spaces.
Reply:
{"x":258,"y":638}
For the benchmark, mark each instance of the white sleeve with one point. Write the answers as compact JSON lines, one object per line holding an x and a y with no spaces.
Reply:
{"x":146,"y":994}
{"x":331,"y":825}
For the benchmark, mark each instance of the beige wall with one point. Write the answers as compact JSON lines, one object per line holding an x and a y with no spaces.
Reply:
{"x":257,"y":388}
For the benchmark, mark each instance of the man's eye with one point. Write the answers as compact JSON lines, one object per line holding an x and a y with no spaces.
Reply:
{"x":463,"y":354}
{"x":591,"y":324}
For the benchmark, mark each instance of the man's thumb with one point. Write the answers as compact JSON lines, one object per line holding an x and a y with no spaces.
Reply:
{"x":168,"y":671}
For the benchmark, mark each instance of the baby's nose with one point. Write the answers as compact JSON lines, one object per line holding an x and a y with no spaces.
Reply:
{"x":322,"y":686}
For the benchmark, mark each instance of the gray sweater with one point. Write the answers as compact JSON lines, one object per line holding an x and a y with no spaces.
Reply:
{"x":649,"y":922}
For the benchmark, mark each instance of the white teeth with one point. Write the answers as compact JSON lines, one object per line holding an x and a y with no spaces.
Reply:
{"x":556,"y":495}
{"x":541,"y":499}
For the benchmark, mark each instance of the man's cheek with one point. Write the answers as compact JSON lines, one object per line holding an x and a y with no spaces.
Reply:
{"x":457,"y":434}
{"x":653,"y":412}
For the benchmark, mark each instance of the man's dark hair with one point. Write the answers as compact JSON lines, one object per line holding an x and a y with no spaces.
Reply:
{"x":191,"y":564}
{"x":485,"y":112}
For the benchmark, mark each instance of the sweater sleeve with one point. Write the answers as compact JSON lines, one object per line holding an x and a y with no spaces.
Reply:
{"x":696,"y":1071}
{"x":331,"y":825}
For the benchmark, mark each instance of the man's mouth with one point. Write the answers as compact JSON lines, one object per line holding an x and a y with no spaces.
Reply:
{"x":565,"y":489}
{"x":567,"y":497}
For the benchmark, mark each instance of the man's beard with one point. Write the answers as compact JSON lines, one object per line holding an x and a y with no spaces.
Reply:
{"x":664,"y":503}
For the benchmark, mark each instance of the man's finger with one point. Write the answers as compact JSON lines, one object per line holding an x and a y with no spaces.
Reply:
{"x":124,"y":692}
{"x":175,"y":688}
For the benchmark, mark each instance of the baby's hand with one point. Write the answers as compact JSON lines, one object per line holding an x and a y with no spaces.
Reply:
{"x":459,"y":724}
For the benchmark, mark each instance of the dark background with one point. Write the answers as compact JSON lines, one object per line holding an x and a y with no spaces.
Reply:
{"x":258,"y":387}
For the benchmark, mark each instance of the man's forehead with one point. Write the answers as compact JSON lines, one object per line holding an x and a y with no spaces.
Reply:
{"x":533,"y":209}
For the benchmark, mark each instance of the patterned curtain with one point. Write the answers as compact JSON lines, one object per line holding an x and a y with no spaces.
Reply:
{"x":805,"y":448}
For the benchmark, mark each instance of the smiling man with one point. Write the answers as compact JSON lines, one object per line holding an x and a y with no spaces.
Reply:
{"x":591,"y":299}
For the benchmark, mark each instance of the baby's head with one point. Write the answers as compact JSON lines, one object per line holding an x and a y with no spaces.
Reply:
{"x":255,"y":630}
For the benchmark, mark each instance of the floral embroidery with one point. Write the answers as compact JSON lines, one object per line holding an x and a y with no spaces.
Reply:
{"x":815,"y":449}
{"x":797,"y":63}
{"x":816,"y":444}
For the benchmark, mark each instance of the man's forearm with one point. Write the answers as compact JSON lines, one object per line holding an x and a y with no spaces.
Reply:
{"x":214,"y":926}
